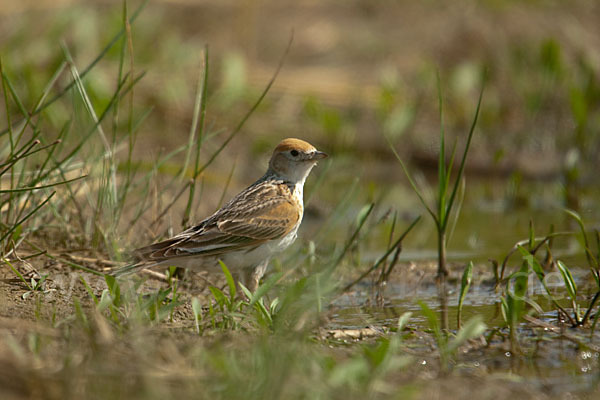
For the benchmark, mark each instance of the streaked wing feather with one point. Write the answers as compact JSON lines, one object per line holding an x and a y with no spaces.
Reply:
{"x":264,"y":211}
{"x":274,"y":220}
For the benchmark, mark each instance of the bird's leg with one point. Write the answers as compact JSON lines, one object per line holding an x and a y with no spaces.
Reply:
{"x":258,"y":273}
{"x":250,"y":277}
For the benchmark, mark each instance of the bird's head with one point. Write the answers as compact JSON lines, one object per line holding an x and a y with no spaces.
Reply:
{"x":293,"y":159}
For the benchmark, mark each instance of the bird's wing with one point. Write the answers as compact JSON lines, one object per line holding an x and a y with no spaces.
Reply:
{"x":262,"y":212}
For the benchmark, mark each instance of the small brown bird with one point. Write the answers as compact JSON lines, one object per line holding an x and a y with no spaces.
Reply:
{"x":259,"y":222}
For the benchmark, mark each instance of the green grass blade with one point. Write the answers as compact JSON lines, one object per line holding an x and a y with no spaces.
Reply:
{"x":226,"y":186}
{"x":50,"y":85}
{"x":403,"y":321}
{"x":472,"y":329}
{"x":115,"y":289}
{"x":25,"y":189}
{"x":568,"y":279}
{"x":20,"y":106}
{"x":198,"y":115}
{"x":25,"y":218}
{"x":412,"y":182}
{"x":69,"y":263}
{"x":442,"y":175}
{"x":6,"y":107}
{"x":461,"y":168}
{"x":384,"y":256}
{"x":264,"y":288}
{"x":197,"y":125}
{"x":588,"y":252}
{"x":465,"y":284}
{"x":458,"y":208}
{"x":229,"y":279}
{"x":362,"y":218}
{"x":21,"y":154}
{"x":197,"y":309}
{"x":534,"y":264}
{"x":89,"y":290}
{"x":19,"y":275}
{"x":451,"y":163}
{"x":219,"y":297}
{"x":434,"y":325}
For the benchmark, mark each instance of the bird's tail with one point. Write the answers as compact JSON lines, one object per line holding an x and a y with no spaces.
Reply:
{"x":129,"y":269}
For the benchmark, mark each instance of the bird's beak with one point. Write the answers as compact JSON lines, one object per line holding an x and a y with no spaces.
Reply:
{"x":318,"y":155}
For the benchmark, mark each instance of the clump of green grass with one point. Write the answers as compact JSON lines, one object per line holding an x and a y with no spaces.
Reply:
{"x":447,"y":191}
{"x":29,"y":174}
{"x":448,"y":346}
{"x":518,"y":303}
{"x":446,"y":194}
{"x":36,"y":164}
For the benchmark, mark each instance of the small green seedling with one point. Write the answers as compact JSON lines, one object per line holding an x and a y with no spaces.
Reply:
{"x":465,"y":284}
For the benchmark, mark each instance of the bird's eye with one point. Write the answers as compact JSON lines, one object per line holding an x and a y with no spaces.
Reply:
{"x":294,"y":153}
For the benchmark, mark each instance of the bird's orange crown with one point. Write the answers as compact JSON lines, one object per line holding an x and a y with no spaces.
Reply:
{"x":293,"y":144}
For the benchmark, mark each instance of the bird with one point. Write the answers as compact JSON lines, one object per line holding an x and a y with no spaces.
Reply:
{"x":259,"y":222}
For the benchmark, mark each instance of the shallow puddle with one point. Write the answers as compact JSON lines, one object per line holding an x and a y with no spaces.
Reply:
{"x":541,"y":358}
